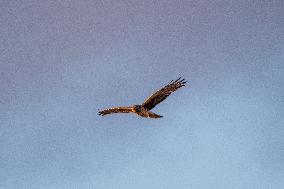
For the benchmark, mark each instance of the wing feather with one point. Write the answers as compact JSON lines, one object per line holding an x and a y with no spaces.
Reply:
{"x":163,"y":93}
{"x":116,"y":110}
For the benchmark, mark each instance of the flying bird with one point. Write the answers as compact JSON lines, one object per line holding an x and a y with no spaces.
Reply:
{"x":144,"y":108}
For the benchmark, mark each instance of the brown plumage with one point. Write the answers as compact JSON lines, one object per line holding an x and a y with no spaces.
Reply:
{"x":144,"y":109}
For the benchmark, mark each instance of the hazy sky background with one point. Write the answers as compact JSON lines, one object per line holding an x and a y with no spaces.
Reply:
{"x":61,"y":61}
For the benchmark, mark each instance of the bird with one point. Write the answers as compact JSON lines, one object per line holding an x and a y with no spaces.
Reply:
{"x":143,"y":109}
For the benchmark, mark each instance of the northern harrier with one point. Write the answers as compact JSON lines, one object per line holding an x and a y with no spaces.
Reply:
{"x":144,"y":109}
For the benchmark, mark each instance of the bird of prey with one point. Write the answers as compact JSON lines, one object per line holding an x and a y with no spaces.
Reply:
{"x":144,"y":108}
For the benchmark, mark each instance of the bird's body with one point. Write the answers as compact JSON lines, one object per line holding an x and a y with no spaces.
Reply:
{"x":143,"y":110}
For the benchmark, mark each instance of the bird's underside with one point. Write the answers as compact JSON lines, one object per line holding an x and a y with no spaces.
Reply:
{"x":143,"y":109}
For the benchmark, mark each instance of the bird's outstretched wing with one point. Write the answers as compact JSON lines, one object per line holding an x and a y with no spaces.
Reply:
{"x":116,"y":110}
{"x":163,"y":93}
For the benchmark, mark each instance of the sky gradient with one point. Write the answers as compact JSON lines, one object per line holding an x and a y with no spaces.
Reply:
{"x":62,"y":61}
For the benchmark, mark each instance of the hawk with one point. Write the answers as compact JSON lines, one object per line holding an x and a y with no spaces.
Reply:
{"x":144,"y":108}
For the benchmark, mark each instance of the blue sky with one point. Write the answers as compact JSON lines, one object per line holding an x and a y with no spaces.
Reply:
{"x":62,"y":61}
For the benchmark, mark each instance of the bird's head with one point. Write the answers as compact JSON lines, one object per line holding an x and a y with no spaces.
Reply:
{"x":137,"y":108}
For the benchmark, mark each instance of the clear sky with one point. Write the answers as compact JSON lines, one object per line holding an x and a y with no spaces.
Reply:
{"x":61,"y":61}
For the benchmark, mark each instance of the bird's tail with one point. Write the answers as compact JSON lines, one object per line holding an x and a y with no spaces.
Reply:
{"x":153,"y":115}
